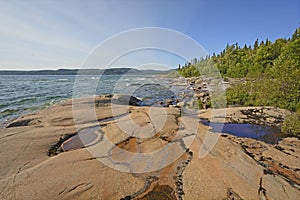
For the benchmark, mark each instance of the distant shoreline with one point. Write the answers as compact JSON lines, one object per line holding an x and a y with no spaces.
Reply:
{"x":110,"y":71}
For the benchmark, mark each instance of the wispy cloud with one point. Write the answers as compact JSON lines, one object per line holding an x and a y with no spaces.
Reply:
{"x":55,"y":33}
{"x":38,"y":34}
{"x":31,"y":33}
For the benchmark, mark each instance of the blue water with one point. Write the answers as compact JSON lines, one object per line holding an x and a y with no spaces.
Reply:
{"x":25,"y":94}
{"x":267,"y":134}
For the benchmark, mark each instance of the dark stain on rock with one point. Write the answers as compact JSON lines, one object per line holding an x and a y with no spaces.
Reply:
{"x":160,"y":192}
{"x":56,"y":148}
{"x":231,"y":195}
{"x":25,"y":122}
{"x":127,"y":198}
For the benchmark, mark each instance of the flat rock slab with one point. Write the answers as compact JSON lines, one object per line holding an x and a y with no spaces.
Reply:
{"x":98,"y":157}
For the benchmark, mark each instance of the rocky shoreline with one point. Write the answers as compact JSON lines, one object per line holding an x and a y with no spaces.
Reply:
{"x":44,"y":158}
{"x":199,"y":89}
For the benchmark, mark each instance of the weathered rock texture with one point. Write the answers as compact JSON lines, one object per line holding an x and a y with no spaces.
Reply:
{"x":42,"y":158}
{"x":260,"y":115}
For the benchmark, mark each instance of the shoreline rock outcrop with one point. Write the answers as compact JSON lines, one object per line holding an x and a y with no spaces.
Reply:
{"x":260,"y":115}
{"x":41,"y":159}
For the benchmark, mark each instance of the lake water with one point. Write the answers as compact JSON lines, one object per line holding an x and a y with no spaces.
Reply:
{"x":25,"y":94}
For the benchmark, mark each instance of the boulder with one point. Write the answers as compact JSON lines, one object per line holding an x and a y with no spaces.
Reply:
{"x":199,"y":82}
{"x":123,"y":99}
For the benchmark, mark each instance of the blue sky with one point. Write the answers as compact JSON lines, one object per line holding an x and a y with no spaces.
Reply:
{"x":41,"y":34}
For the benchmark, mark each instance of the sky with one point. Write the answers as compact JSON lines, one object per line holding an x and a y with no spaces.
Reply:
{"x":41,"y":34}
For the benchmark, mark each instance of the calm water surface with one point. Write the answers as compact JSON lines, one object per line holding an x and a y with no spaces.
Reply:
{"x":267,"y":134}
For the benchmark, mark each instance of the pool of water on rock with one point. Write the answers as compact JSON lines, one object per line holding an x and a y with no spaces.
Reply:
{"x":267,"y":134}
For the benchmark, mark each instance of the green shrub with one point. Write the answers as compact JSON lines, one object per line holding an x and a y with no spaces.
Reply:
{"x":200,"y":104}
{"x":291,"y":125}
